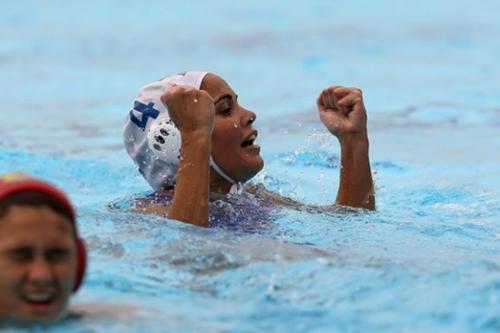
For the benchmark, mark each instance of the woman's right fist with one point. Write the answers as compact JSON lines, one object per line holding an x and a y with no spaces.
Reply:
{"x":190,"y":109}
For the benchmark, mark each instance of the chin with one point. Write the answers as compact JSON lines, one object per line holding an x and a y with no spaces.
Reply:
{"x":253,"y":169}
{"x":46,"y":317}
{"x":41,"y":315}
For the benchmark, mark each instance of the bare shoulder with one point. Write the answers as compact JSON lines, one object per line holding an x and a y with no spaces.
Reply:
{"x":158,"y":204}
{"x":261,"y":192}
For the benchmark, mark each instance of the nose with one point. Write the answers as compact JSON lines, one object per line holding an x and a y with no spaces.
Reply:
{"x":248,"y":118}
{"x":40,"y":272}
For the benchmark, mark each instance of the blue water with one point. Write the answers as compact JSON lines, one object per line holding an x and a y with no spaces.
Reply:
{"x":428,"y":260}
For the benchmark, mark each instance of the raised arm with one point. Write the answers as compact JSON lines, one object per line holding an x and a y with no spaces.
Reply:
{"x":343,"y":113}
{"x":192,"y":111}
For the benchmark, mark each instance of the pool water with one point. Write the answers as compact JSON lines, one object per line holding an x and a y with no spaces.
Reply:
{"x":428,"y":260}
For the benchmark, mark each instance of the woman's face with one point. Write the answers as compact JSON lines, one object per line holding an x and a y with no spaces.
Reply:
{"x":233,"y":146}
{"x":37,"y":264}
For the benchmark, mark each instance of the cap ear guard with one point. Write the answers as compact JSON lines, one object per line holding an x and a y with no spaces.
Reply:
{"x":164,"y":140}
{"x":81,"y":263}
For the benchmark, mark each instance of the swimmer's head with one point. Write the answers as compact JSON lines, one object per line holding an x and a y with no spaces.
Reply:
{"x":153,"y":141}
{"x":42,"y":259}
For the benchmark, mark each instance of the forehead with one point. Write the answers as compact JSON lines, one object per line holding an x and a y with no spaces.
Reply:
{"x":215,"y":86}
{"x":34,"y":225}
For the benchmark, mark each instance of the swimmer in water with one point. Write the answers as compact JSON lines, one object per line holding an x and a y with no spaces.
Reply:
{"x":194,"y":143}
{"x":42,"y":258}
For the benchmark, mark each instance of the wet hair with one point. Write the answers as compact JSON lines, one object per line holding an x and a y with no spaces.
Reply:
{"x":34,"y":199}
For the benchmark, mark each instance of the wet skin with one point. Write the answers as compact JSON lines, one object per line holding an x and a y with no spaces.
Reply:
{"x":37,"y":264}
{"x":233,"y":136}
{"x":213,"y":124}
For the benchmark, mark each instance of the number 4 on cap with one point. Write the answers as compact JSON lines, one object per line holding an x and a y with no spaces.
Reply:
{"x":147,"y":111}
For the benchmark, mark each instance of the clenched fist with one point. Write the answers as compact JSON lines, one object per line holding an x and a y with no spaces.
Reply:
{"x":342,"y":111}
{"x":190,"y":109}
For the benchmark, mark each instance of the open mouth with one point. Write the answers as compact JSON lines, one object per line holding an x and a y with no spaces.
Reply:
{"x":39,"y":298}
{"x":250,"y":140}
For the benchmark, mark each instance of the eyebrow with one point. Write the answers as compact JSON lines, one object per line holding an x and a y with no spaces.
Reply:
{"x":16,"y":249}
{"x":226,"y":96}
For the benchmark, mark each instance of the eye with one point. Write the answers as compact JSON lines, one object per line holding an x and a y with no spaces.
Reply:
{"x":224,"y":109}
{"x":58,"y":254}
{"x":225,"y":112}
{"x":22,"y":254}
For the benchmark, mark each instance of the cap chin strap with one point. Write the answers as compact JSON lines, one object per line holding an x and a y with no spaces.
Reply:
{"x":236,"y":188}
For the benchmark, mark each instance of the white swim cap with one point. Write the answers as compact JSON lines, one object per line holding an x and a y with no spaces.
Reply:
{"x":151,"y":138}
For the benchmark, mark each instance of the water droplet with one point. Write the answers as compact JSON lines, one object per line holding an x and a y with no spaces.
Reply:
{"x":195,"y":100}
{"x":235,"y":125}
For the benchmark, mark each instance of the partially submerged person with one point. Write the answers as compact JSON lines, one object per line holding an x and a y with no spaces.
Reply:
{"x":42,"y":258}
{"x":195,"y":144}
